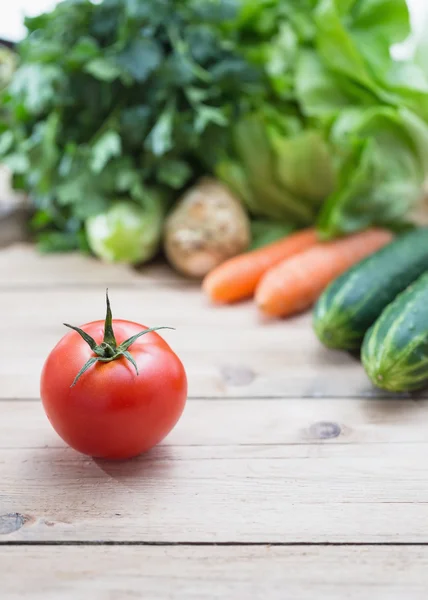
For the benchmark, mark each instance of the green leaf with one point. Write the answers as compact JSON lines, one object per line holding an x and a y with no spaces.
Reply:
{"x":215,"y":11}
{"x":6,"y":142}
{"x":174,"y":173}
{"x":331,"y":36}
{"x":304,"y":165}
{"x":160,"y":141}
{"x":149,"y":11}
{"x":85,"y":50}
{"x":206,"y":115}
{"x":103,"y":69}
{"x":271,"y":199}
{"x":203,"y":42}
{"x":376,"y":26}
{"x":421,"y":53}
{"x":140,"y":58}
{"x":134,"y":123}
{"x":46,"y":52}
{"x":317,"y":89}
{"x":36,"y":86}
{"x":82,"y":193}
{"x":389,"y":19}
{"x":17,"y":162}
{"x":282,"y":55}
{"x":107,"y":146}
{"x":235,"y":177}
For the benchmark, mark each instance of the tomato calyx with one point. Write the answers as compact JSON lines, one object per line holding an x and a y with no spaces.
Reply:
{"x":109,"y":349}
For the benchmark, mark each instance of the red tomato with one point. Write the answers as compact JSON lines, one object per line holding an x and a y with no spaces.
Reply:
{"x":112,"y":412}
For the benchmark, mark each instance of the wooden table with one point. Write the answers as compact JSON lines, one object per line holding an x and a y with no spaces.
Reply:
{"x":288,"y":476}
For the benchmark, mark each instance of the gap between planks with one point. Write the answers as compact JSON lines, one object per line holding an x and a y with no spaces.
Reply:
{"x":397,"y":398}
{"x":317,"y":472}
{"x":184,"y":544}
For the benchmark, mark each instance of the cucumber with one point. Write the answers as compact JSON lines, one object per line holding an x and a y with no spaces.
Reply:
{"x":395,"y":348}
{"x":352,"y":303}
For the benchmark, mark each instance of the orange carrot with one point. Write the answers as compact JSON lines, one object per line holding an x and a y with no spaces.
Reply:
{"x":295,"y":284}
{"x":237,"y":278}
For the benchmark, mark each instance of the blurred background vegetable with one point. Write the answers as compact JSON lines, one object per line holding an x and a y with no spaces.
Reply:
{"x":205,"y":228}
{"x":126,"y":232}
{"x":299,"y":108}
{"x":8,"y":62}
{"x":237,"y":278}
{"x":347,"y":147}
{"x":294,"y":284}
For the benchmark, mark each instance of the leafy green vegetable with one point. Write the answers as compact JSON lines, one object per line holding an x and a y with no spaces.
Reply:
{"x":381,"y":176}
{"x":278,"y":171}
{"x":114,"y":97}
{"x":125,"y":233}
{"x":298,"y":107}
{"x":347,"y":146}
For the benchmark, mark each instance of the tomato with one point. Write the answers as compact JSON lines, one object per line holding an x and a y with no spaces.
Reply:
{"x":124,"y":400}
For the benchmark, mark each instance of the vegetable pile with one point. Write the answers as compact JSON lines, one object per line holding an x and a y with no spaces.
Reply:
{"x":379,"y":307}
{"x":287,"y":277}
{"x":118,"y":108}
{"x":356,"y":299}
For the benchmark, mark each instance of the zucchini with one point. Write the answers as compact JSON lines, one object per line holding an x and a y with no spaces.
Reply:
{"x":352,"y":303}
{"x":395,"y":348}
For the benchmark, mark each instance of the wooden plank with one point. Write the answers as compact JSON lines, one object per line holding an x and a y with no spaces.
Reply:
{"x":214,"y":573}
{"x":270,"y":422}
{"x":227,"y":351}
{"x":232,"y":471}
{"x":21,"y":267}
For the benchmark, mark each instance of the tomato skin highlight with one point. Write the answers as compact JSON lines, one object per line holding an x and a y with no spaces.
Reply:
{"x":111,"y":412}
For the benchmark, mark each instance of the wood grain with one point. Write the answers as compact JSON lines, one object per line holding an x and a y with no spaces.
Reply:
{"x":232,"y":471}
{"x":246,"y":421}
{"x":228,"y":351}
{"x":282,"y":442}
{"x":22,"y":268}
{"x":214,"y":573}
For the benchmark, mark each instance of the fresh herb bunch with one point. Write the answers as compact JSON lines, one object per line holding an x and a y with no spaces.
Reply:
{"x":116,"y":101}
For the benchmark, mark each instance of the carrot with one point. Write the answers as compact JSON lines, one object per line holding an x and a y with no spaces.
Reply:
{"x":295,"y":284}
{"x":237,"y":278}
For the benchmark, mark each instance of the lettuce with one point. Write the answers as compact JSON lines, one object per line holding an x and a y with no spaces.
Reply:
{"x":346,"y":145}
{"x":380,"y":179}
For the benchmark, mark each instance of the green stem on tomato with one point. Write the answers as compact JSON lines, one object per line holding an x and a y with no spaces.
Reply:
{"x":108,"y":350}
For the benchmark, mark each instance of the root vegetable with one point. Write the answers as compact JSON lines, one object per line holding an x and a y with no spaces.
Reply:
{"x":207,"y":227}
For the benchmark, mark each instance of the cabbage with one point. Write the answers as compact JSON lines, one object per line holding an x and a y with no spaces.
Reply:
{"x":346,"y":146}
{"x":125,"y":233}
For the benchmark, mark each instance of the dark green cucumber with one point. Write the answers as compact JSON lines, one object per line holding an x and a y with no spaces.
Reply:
{"x":352,"y":303}
{"x":395,"y":348}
